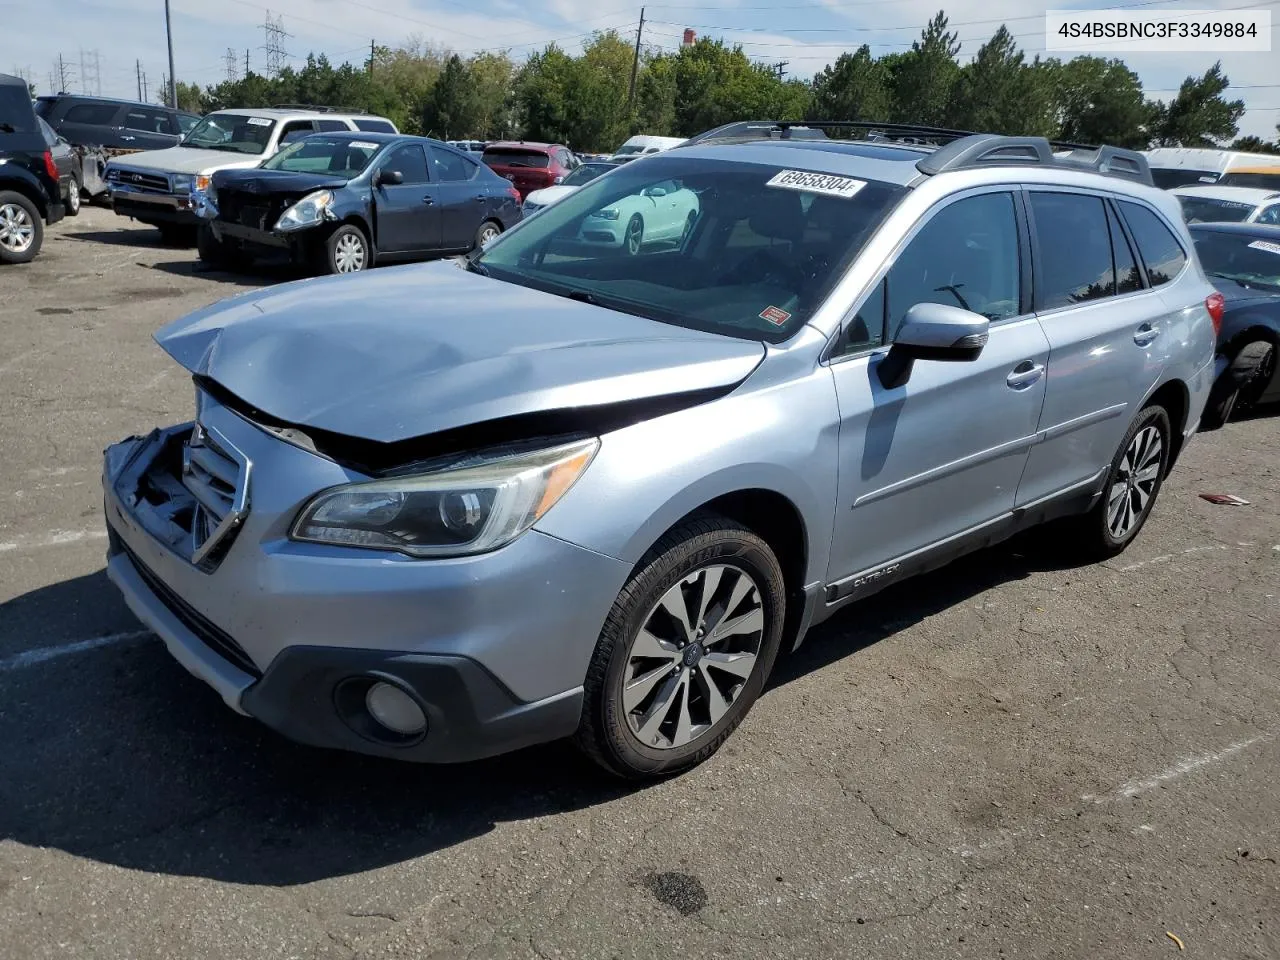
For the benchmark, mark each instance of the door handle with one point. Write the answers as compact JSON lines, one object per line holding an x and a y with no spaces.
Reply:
{"x":479,"y":199}
{"x":1146,"y":333}
{"x":428,"y":201}
{"x":1025,"y":374}
{"x":130,"y":139}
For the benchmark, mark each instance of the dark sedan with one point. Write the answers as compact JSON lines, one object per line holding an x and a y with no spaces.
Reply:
{"x":1243,"y":262}
{"x":342,"y":202}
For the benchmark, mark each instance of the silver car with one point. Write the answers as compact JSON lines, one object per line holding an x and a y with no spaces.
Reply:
{"x":441,"y":512}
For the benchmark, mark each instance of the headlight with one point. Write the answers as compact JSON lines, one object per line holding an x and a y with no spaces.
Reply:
{"x":182,"y":182}
{"x":609,"y":214}
{"x":454,"y":512}
{"x":307,"y":212}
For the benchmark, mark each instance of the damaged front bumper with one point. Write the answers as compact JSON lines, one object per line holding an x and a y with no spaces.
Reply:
{"x":491,"y":647}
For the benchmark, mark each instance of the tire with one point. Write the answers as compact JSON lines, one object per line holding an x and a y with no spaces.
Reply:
{"x":653,"y":731}
{"x":633,"y":239}
{"x":1099,"y":534}
{"x":347,"y":250}
{"x":486,"y":232}
{"x":1223,"y":397}
{"x":217,"y":253}
{"x":73,"y":197}
{"x":21,"y":228}
{"x":1254,"y":366}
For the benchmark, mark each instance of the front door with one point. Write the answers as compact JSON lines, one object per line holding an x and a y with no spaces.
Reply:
{"x":939,"y":457}
{"x":1104,"y":331}
{"x":408,"y":215}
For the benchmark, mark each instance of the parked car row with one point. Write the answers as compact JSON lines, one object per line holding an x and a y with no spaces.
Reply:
{"x":37,"y":175}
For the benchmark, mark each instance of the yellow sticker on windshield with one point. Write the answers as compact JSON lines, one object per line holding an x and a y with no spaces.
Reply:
{"x":824,"y":183}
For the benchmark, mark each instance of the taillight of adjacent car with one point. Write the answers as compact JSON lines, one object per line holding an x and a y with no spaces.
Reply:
{"x":513,"y":193}
{"x":50,"y":167}
{"x":1216,"y":305}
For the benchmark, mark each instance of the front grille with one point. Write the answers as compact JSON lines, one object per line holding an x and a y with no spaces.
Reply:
{"x":253,"y":216}
{"x":212,"y":477}
{"x":212,"y":636}
{"x":136,"y":178}
{"x":250,"y":209}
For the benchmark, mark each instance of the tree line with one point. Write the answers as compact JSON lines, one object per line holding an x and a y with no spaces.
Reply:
{"x":590,"y":103}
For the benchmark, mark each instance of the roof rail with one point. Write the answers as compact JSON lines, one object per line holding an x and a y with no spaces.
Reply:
{"x":315,"y":108}
{"x":988,"y":150}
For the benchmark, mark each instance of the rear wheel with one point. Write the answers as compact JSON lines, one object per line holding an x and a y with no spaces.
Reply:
{"x":73,"y":197}
{"x":488,"y":231}
{"x":685,"y":651}
{"x":21,"y":229}
{"x":1133,"y":482}
{"x":1241,"y":384}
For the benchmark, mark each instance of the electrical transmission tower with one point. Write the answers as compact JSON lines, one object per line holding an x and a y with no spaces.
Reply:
{"x":61,"y":76}
{"x":275,"y":35}
{"x":232,"y":63}
{"x":90,"y":76}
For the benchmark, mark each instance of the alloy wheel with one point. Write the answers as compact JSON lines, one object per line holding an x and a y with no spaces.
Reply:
{"x":17,"y":232}
{"x":73,"y":197}
{"x":349,"y":254}
{"x":635,"y":235}
{"x":487,"y":233}
{"x":1135,"y":482}
{"x":694,"y":653}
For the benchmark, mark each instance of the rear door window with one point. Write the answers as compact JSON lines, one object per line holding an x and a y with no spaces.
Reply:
{"x":296,"y":131}
{"x":329,"y":126}
{"x":1074,"y":263}
{"x":375,"y":126}
{"x":449,"y":166}
{"x":1162,"y":254}
{"x":146,"y":120}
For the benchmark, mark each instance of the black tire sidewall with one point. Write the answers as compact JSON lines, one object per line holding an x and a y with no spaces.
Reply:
{"x":693,"y":547}
{"x":37,"y":224}
{"x":1153,"y":415}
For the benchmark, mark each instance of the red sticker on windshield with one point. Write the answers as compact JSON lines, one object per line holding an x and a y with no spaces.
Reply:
{"x":775,"y":315}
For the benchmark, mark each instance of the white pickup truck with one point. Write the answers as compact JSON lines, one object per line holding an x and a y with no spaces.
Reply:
{"x":163,"y":188}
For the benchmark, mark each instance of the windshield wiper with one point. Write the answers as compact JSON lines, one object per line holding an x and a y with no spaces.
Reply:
{"x":583,"y":296}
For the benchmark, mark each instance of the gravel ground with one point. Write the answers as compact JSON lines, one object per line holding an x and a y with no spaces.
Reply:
{"x":1005,"y":758}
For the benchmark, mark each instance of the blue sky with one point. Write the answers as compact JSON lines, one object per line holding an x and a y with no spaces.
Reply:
{"x":807,"y":34}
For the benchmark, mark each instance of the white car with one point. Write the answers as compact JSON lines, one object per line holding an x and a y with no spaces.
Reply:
{"x":642,"y":145}
{"x":1214,"y":204}
{"x":540,"y":199}
{"x":663,"y":211}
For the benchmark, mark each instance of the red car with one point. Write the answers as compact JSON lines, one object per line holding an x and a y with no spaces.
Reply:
{"x":530,"y":166}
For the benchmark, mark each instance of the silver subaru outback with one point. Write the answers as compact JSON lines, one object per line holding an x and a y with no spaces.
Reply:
{"x":441,"y":512}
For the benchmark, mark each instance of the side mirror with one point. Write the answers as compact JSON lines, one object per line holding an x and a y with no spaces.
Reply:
{"x":656,"y":192}
{"x":390,"y":178}
{"x":932,"y":331}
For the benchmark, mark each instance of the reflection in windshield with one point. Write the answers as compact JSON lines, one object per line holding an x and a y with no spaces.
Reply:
{"x":707,"y":244}
{"x":341,"y":156}
{"x":1250,"y":260}
{"x":585,"y":174}
{"x":233,"y":132}
{"x":1209,"y":210}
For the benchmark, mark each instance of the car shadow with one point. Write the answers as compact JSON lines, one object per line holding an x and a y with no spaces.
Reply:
{"x":114,"y":753}
{"x":126,"y":237}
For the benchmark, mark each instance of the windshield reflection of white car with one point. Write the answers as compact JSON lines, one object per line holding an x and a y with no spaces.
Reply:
{"x":660,"y":212}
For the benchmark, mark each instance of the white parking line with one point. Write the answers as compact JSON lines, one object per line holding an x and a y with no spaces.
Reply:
{"x":1140,"y":785}
{"x":29,"y":658}
{"x":55,"y":539}
{"x":1169,"y":556}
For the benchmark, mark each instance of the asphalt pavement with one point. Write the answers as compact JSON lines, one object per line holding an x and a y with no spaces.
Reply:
{"x":1011,"y":757}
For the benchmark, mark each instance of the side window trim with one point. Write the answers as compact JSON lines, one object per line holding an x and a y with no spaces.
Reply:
{"x":1134,"y":252}
{"x":1177,"y":238}
{"x":1024,"y":250}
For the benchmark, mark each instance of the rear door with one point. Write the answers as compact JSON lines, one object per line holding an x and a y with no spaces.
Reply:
{"x":92,"y":124}
{"x":1104,"y":325}
{"x":464,"y":201}
{"x":408,"y":213}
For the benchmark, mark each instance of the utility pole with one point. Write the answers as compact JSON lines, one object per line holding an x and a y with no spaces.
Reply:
{"x":144,"y":87}
{"x":635,"y":64}
{"x":370,"y":56}
{"x":168,"y":32}
{"x":779,"y":68}
{"x":246,"y":61}
{"x":138,"y":67}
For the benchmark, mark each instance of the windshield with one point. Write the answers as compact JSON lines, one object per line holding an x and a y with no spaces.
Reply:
{"x":1209,"y":210}
{"x":736,"y":248}
{"x":341,"y":156}
{"x":1168,"y":178}
{"x":515,"y":157}
{"x":186,"y":122}
{"x":1252,"y":261}
{"x":1261,"y":179}
{"x":629,"y":149}
{"x":585,"y":174}
{"x":233,"y":132}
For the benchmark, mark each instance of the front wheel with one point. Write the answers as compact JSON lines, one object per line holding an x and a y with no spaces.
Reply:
{"x":633,"y":240}
{"x":73,"y":197}
{"x":685,"y":651}
{"x":1133,"y":482}
{"x":347,"y":250}
{"x":217,"y":253}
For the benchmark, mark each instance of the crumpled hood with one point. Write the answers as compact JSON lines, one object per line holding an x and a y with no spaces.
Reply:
{"x":403,"y":352}
{"x":188,"y":160}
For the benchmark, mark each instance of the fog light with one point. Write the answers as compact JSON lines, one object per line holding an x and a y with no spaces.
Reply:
{"x":395,"y":709}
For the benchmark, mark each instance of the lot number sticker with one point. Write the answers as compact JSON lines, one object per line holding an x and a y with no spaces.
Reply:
{"x":824,"y":183}
{"x":364,"y":145}
{"x":1266,"y":245}
{"x":260,"y":121}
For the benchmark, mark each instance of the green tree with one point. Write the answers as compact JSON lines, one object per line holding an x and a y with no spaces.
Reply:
{"x":189,"y":97}
{"x":450,"y":110}
{"x":924,"y":79}
{"x":999,"y":93}
{"x":1255,"y":145}
{"x":855,"y":87}
{"x":656,"y":96}
{"x":1199,"y":116}
{"x":492,"y":76}
{"x":1098,"y":101}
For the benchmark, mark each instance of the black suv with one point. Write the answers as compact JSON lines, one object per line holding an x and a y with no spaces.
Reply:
{"x":30,"y":189}
{"x":114,"y":124}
